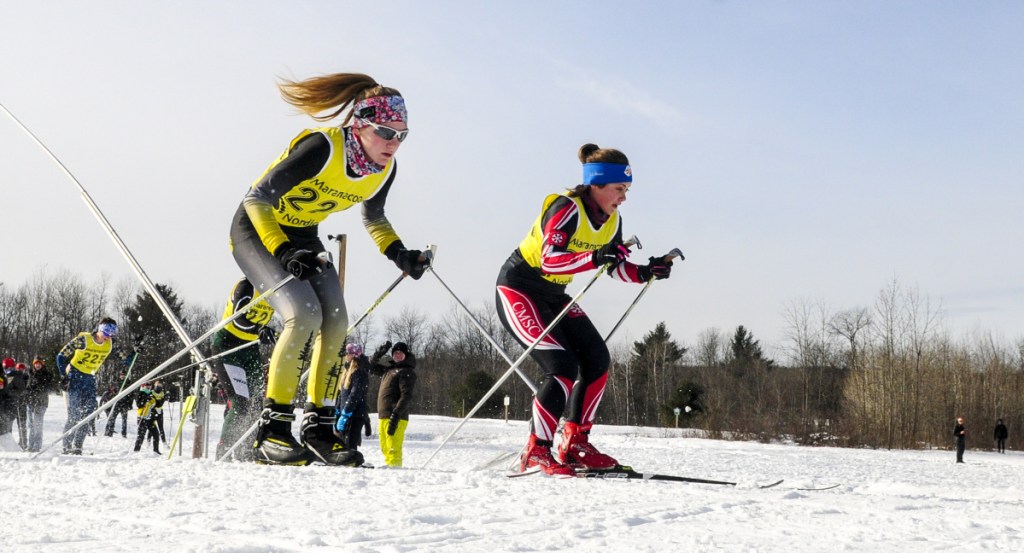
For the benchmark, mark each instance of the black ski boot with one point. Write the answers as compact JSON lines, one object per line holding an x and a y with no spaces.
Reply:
{"x":274,"y":442}
{"x":319,"y":438}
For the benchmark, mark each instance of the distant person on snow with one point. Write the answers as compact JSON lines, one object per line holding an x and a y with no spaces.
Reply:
{"x":40,"y":384}
{"x":394,"y":398}
{"x":78,"y":362}
{"x":17,"y":389}
{"x":146,"y":400}
{"x":960,"y":433}
{"x":577,"y":231}
{"x":120,"y":409}
{"x":353,"y":415}
{"x":1000,"y":435}
{"x":274,"y":232}
{"x":159,"y":394}
{"x":240,"y":374}
{"x":8,"y":411}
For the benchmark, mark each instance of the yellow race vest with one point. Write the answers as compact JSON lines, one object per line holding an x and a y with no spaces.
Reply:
{"x":311,"y":201}
{"x":90,"y":359}
{"x":146,"y":408}
{"x":259,"y":315}
{"x":585,"y":238}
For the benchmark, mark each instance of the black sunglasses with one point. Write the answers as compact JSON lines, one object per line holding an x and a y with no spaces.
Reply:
{"x":387,"y":133}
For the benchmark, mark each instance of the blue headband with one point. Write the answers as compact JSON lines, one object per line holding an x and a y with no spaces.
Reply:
{"x":606,"y":173}
{"x":108,"y":329}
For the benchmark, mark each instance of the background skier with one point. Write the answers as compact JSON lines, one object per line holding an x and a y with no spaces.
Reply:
{"x":240,"y":374}
{"x":79,"y":361}
{"x":146,"y":401}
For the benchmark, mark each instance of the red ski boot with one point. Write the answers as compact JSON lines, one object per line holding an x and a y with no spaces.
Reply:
{"x":538,"y":455}
{"x":577,"y":452}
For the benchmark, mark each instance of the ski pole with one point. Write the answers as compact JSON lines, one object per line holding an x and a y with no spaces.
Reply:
{"x":147,"y":283}
{"x":135,"y":357}
{"x":529,"y":381}
{"x":129,"y":371}
{"x":168,"y":362}
{"x":210,"y":358}
{"x":676,"y":252}
{"x":190,"y":404}
{"x":429,"y":254}
{"x":523,"y":356}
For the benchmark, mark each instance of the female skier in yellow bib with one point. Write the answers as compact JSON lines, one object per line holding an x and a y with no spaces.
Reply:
{"x":274,"y":232}
{"x":575,"y":232}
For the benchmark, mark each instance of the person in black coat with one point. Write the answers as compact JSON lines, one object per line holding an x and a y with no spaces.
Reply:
{"x":17,"y":392}
{"x":1000,"y":436}
{"x":7,"y":410}
{"x":120,"y":409}
{"x":960,"y":433}
{"x":394,"y":400}
{"x":41,"y":381}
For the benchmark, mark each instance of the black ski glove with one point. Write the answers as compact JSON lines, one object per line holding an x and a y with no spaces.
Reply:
{"x":409,"y":262}
{"x":383,"y":350}
{"x":366,"y":427}
{"x":393,"y":424}
{"x":610,"y":254}
{"x":657,"y":267}
{"x":267,"y":336}
{"x":302,"y":263}
{"x":64,"y":383}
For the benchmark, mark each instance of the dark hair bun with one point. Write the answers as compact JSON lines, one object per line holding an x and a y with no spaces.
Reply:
{"x":587,"y":150}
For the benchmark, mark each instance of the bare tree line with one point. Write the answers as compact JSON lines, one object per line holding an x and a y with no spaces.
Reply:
{"x":888,"y":375}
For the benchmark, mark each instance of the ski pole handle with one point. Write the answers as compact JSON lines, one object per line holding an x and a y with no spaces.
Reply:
{"x":428,"y":254}
{"x":676,"y":252}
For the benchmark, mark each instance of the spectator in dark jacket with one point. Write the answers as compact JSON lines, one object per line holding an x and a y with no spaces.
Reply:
{"x":41,"y":382}
{"x":7,"y":411}
{"x":17,"y":392}
{"x":353,"y":415}
{"x":394,"y":399}
{"x":120,"y":409}
{"x":1000,"y":436}
{"x":960,"y":433}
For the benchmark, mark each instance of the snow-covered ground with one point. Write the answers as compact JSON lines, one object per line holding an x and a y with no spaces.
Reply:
{"x":111,"y":499}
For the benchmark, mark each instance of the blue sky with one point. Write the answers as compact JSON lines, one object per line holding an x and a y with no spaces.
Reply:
{"x":795,"y":151}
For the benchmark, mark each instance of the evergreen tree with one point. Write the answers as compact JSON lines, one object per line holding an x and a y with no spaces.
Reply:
{"x":689,"y":399}
{"x":746,"y":353}
{"x":654,"y":357}
{"x":472,"y":388}
{"x":146,"y":327}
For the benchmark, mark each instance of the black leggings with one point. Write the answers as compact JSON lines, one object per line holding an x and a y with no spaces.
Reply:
{"x":147,"y":426}
{"x":572,"y":351}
